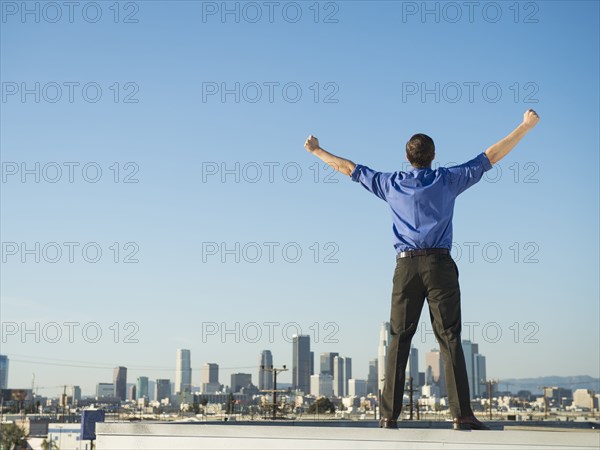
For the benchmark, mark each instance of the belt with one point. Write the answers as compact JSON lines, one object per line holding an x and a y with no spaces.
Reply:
{"x":423,"y":252}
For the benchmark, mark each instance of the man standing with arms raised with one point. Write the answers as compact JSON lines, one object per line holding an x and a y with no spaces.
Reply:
{"x":422,"y":205}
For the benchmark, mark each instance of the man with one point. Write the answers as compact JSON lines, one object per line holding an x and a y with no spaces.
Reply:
{"x":422,"y":205}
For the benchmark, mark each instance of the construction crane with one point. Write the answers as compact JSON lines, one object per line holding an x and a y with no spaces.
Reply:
{"x":63,"y":396}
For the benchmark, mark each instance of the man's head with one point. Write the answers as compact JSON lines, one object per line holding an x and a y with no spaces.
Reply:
{"x":420,"y":151}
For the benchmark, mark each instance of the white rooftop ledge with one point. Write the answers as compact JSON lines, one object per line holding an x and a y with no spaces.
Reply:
{"x":155,"y":436}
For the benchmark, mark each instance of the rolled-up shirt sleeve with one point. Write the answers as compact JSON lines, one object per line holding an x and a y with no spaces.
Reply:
{"x":373,"y":181}
{"x":464,"y":176}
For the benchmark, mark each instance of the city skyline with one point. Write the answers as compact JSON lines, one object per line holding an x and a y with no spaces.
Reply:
{"x":333,"y":373}
{"x":205,"y":378}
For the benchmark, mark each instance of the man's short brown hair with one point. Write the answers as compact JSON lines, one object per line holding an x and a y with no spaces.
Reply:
{"x":420,"y":151}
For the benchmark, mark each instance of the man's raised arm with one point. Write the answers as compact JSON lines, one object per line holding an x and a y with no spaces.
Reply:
{"x":342,"y":165}
{"x":500,"y":149}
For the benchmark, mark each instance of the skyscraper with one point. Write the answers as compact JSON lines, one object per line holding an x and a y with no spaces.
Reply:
{"x":76,"y":394}
{"x":467,"y":347}
{"x":321,"y":385}
{"x":142,"y":388}
{"x":183,"y":372}
{"x":347,"y":373}
{"x":476,"y":371}
{"x":338,"y":376}
{"x":326,"y":363}
{"x":342,"y":372}
{"x":372,"y":377}
{"x":301,"y":363}
{"x":105,"y":390}
{"x":384,"y":342}
{"x":162,"y":389}
{"x":3,"y":372}
{"x":210,"y":373}
{"x":265,"y":377}
{"x":240,"y":380}
{"x":434,"y":365}
{"x":480,"y":375}
{"x":412,"y":367}
{"x":120,"y":382}
{"x":357,"y":388}
{"x":209,"y":378}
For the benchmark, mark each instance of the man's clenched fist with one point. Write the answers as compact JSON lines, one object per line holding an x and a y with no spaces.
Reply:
{"x":530,"y":118}
{"x":311,"y":144}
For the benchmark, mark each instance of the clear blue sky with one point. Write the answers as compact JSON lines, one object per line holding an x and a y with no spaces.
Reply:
{"x":367,"y":59}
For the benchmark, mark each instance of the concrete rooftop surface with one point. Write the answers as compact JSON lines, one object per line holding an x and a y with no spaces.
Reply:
{"x":193,"y":436}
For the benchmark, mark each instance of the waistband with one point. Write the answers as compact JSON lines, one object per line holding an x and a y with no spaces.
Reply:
{"x":423,"y":252}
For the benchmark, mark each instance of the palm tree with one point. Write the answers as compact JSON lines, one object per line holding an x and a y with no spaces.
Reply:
{"x":49,"y":445}
{"x":13,"y":436}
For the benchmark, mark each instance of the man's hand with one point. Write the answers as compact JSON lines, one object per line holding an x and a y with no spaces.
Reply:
{"x":530,"y":119}
{"x":501,"y":148}
{"x":342,"y":165}
{"x":311,"y":144}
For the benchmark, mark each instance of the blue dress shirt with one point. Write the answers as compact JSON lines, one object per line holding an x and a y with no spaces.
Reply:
{"x":422,"y":200}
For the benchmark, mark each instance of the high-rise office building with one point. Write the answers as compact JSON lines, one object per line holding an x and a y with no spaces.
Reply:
{"x":210,"y":373}
{"x":183,"y":372}
{"x":120,"y":382}
{"x":338,"y":376}
{"x":326,"y":363}
{"x":239,"y":381}
{"x":209,"y":378}
{"x":3,"y":372}
{"x":467,"y":347}
{"x":476,"y":372}
{"x":265,"y":377}
{"x":132,"y":392}
{"x":372,"y":377}
{"x":321,"y":385}
{"x":342,"y":372}
{"x":347,"y":373}
{"x":142,"y":388}
{"x":162,"y":389}
{"x":105,"y":390}
{"x":301,"y":366}
{"x":480,"y":375}
{"x":76,"y":394}
{"x":357,"y":388}
{"x":412,"y":367}
{"x":384,"y":342}
{"x":434,"y":370}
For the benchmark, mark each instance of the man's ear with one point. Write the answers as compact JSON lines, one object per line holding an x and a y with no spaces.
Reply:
{"x":433,"y":157}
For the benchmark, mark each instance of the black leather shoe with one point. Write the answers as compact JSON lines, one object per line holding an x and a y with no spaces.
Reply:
{"x":468,"y":423}
{"x":388,"y":423}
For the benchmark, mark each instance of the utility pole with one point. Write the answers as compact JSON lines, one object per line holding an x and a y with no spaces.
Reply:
{"x":274,"y":391}
{"x":410,"y":397}
{"x":490,"y":383}
{"x":417,"y":408}
{"x":64,"y":402}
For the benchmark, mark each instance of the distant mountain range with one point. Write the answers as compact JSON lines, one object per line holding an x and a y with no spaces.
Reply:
{"x":535,"y":385}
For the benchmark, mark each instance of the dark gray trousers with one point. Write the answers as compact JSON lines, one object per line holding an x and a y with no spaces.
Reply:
{"x":434,"y":277}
